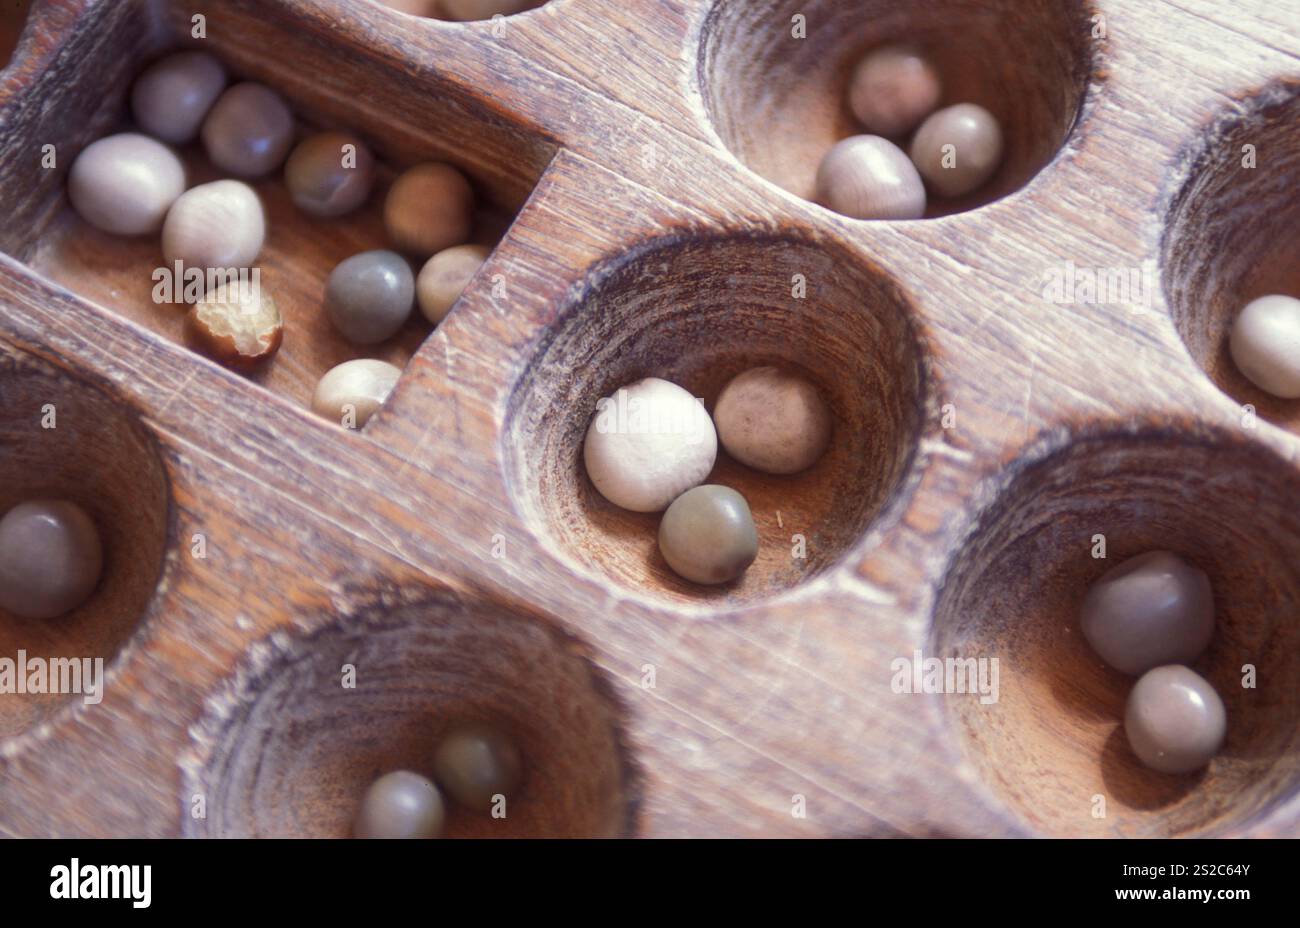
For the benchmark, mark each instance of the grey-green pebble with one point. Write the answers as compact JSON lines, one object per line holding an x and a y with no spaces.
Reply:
{"x":475,"y":762}
{"x":370,"y":296}
{"x":708,"y":535}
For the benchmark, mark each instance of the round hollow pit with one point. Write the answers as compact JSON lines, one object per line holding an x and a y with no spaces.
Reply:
{"x":62,"y":438}
{"x":779,"y":102}
{"x":1233,"y":234}
{"x":697,"y":312}
{"x":1054,"y":742}
{"x":288,"y":750}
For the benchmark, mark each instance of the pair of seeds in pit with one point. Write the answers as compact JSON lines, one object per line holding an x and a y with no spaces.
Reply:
{"x":651,"y":445}
{"x":1149,"y":617}
{"x":954,"y":151}
{"x":474,"y":763}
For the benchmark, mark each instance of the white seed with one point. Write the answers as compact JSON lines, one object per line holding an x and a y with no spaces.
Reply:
{"x":869,"y":177}
{"x":1265,"y":344}
{"x":350,"y":393}
{"x":124,"y":184}
{"x":216,"y":225}
{"x":649,"y":443}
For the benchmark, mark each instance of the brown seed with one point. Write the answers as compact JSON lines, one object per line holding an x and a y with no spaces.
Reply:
{"x":125,"y":183}
{"x":50,"y":558}
{"x":215,"y":225}
{"x":1150,"y":610}
{"x":958,"y":149}
{"x":1175,"y":721}
{"x":249,"y":131}
{"x":429,"y":208}
{"x":869,"y":177}
{"x":330,"y":174}
{"x":237,"y":325}
{"x":772,"y":420}
{"x":708,"y":535}
{"x":445,"y":276}
{"x":892,"y":89}
{"x":172,"y":97}
{"x":475,"y":763}
{"x":400,"y":804}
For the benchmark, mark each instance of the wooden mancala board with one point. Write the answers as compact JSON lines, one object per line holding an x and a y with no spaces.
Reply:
{"x":645,"y":169}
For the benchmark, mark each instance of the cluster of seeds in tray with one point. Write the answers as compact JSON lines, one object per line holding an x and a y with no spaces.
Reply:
{"x":133,"y":183}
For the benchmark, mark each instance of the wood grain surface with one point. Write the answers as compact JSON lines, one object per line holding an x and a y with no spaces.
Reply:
{"x":641,"y":168}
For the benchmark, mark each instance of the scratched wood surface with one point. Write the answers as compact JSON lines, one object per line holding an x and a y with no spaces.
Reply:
{"x":647,"y":188}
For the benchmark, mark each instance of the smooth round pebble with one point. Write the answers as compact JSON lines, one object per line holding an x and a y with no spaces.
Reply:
{"x":708,"y":535}
{"x":125,"y":183}
{"x":772,"y":420}
{"x":1265,"y":344}
{"x":370,"y":296}
{"x":869,"y":177}
{"x":1150,"y":610}
{"x":429,"y":207}
{"x":216,"y":225}
{"x":892,"y":89}
{"x":649,"y":443}
{"x":330,"y":174}
{"x":444,"y":277}
{"x":1175,"y":721}
{"x":249,"y":130}
{"x":50,"y":558}
{"x":976,"y":140}
{"x":173,"y":95}
{"x":350,"y":393}
{"x":400,"y":805}
{"x":474,"y":762}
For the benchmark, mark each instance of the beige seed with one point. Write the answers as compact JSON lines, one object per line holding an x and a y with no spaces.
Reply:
{"x":124,"y":184}
{"x":445,"y":276}
{"x":869,"y":177}
{"x":350,"y":393}
{"x":772,"y":420}
{"x":330,"y":174}
{"x":892,"y":89}
{"x":238,"y":326}
{"x":249,"y":131}
{"x":958,"y":149}
{"x":1265,"y":344}
{"x":172,"y":97}
{"x":216,"y":225}
{"x":429,"y":208}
